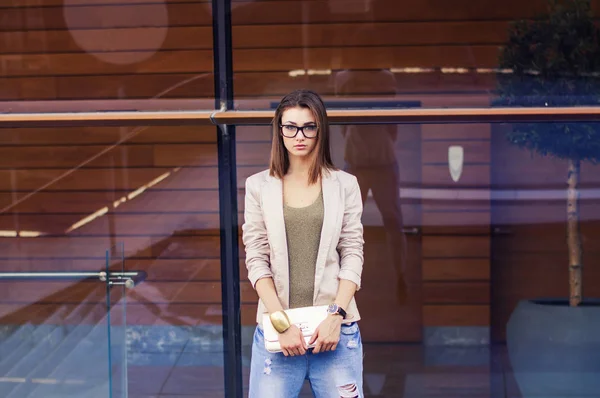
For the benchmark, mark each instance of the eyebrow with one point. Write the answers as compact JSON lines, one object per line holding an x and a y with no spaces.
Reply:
{"x":305,"y":124}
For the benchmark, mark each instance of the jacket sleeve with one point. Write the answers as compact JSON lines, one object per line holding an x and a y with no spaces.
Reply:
{"x":350,"y":245}
{"x":254,"y":237}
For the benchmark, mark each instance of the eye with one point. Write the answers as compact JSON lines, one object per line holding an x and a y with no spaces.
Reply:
{"x":289,"y":128}
{"x":310,"y":129}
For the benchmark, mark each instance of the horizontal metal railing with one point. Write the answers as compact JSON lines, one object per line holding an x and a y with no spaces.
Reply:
{"x":127,"y":278}
{"x":336,"y":116}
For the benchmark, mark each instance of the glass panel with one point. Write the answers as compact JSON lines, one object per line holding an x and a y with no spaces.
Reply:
{"x":149,"y":195}
{"x":54,"y":338}
{"x":105,"y":55}
{"x":117,"y":325}
{"x":484,"y":247}
{"x":546,"y":222}
{"x":442,"y":54}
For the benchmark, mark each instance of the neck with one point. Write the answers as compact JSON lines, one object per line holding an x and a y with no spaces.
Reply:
{"x":300,"y":167}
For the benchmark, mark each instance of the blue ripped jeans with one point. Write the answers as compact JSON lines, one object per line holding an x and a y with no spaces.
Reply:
{"x":331,"y":374}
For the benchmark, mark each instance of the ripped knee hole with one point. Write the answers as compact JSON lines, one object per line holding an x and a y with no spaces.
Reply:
{"x":348,"y":391}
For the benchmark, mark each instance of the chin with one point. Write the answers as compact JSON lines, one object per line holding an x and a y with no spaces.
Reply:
{"x":300,"y":154}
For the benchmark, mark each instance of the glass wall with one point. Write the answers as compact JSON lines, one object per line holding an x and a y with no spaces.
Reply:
{"x":106,"y":55}
{"x":475,"y":233}
{"x":443,"y":54}
{"x":74,"y":199}
{"x":466,"y":274}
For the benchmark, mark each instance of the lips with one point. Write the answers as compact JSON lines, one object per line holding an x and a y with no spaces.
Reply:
{"x":300,"y":146}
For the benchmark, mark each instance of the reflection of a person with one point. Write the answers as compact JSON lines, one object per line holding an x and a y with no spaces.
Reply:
{"x":370,"y":155}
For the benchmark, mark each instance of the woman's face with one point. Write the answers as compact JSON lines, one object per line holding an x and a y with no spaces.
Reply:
{"x":299,"y":143}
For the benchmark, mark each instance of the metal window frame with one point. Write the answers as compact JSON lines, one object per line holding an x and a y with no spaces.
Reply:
{"x":230,"y":270}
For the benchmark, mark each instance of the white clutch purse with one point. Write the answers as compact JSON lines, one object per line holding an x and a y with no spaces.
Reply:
{"x":307,"y":319}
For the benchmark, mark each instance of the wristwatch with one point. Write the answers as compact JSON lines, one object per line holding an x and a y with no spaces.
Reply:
{"x":335,"y":309}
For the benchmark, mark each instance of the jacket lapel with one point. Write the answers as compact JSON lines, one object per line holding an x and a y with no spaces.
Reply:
{"x":273,"y":210}
{"x":272,"y":198}
{"x":331,"y":206}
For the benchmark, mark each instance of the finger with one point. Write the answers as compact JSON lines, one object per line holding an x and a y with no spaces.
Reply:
{"x":334,"y":347}
{"x":314,"y":337}
{"x":285,"y":352}
{"x":317,"y":347}
{"x":302,"y":349}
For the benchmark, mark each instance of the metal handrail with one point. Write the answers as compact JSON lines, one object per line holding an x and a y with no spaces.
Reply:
{"x":335,"y":116}
{"x":129,"y":279}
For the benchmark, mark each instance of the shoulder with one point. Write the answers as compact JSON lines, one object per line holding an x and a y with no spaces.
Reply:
{"x":257,"y":180}
{"x":347,"y":180}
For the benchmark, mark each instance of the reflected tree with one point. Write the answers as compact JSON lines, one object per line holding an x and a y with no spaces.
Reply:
{"x":554,"y":60}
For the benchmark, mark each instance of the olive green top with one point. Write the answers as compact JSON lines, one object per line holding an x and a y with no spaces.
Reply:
{"x":303,"y":232}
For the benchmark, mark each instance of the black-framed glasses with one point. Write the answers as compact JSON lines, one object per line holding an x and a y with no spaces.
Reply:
{"x":290,"y":131}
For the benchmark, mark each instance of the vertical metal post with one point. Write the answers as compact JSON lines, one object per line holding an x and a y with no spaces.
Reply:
{"x":230,"y":278}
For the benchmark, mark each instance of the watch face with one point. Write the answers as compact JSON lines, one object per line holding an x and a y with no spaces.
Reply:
{"x":332,"y":309}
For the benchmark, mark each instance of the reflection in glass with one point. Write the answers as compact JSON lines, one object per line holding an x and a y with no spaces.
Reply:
{"x":149,"y":196}
{"x":85,"y":54}
{"x":488,"y":240}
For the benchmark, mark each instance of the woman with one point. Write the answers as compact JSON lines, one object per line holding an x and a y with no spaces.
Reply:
{"x":304,"y":247}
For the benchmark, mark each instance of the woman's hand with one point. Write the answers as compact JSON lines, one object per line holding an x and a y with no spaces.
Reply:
{"x":327,"y":335}
{"x":292,"y":342}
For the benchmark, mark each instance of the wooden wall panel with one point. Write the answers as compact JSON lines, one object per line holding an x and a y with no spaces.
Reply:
{"x":105,"y":16}
{"x":153,"y":201}
{"x":75,"y":136}
{"x":456,"y":315}
{"x":95,"y":247}
{"x":449,"y":246}
{"x":309,"y":34}
{"x":456,"y":223}
{"x":117,"y":179}
{"x":441,"y":293}
{"x":247,"y":85}
{"x":456,"y":269}
{"x":57,"y":3}
{"x":161,"y":314}
{"x":112,"y":50}
{"x":286,"y":12}
{"x":149,"y":292}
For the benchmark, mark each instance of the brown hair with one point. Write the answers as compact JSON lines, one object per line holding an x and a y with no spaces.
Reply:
{"x":280,"y":161}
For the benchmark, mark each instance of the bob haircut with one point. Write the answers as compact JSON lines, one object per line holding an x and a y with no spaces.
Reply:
{"x":280,"y":161}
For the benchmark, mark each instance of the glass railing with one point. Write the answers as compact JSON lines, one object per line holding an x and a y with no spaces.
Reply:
{"x":63,"y":332}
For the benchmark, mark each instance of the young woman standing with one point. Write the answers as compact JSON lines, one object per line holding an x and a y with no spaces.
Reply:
{"x":304,"y":247}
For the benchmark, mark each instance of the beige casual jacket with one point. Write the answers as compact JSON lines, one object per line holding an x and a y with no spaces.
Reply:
{"x":340,"y":253}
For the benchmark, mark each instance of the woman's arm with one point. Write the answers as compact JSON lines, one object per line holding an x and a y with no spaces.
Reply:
{"x":256,"y":242}
{"x":254,"y":236}
{"x":346,"y":291}
{"x":267,"y":293}
{"x":350,"y":245}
